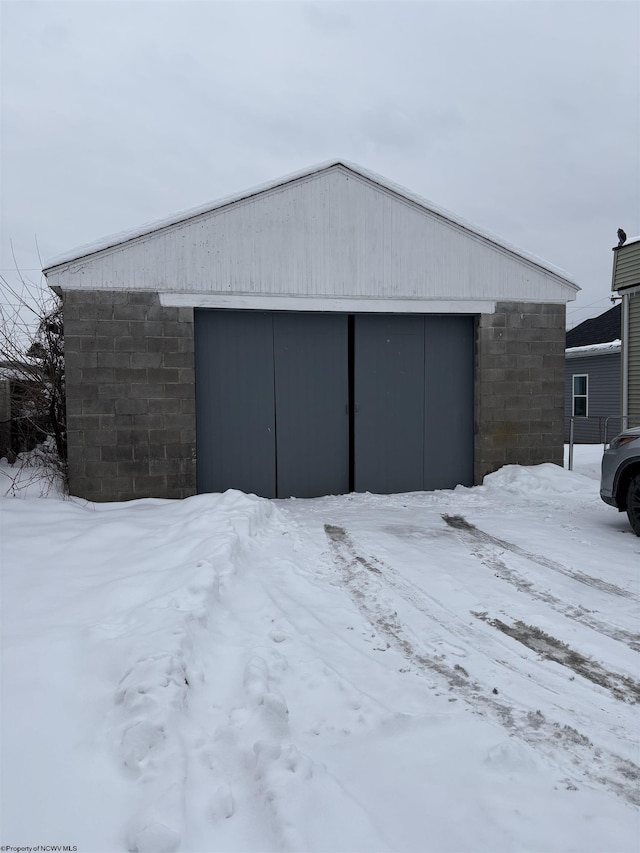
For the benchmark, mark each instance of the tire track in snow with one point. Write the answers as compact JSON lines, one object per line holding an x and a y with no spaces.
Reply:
{"x":622,"y":687}
{"x":365,"y":577}
{"x":285,"y":603}
{"x":459,"y":522}
{"x":255,"y":753}
{"x":486,"y":549}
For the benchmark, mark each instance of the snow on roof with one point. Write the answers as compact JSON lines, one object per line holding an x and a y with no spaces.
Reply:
{"x":594,"y":349}
{"x":174,"y":219}
{"x":18,"y":373}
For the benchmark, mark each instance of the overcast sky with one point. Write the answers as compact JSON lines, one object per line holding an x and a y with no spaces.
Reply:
{"x":523,"y":117}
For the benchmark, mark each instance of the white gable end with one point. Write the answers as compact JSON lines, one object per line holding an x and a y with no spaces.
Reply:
{"x":327,"y":240}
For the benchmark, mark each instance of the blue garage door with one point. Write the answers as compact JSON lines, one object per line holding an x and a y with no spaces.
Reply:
{"x":389,"y":403}
{"x":311,"y":403}
{"x":272,"y":398}
{"x":302,"y":404}
{"x":413,"y":387}
{"x":235,"y":406}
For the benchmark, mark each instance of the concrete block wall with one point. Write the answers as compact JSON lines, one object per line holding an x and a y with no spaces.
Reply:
{"x":519,"y":386}
{"x":130,"y":383}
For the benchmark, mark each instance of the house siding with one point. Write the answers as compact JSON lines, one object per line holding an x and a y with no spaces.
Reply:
{"x":604,"y":397}
{"x":634,"y":359}
{"x":626,"y":266}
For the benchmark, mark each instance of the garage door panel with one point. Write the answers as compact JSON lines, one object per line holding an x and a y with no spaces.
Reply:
{"x":311,"y":404}
{"x":235,"y":407}
{"x":312,"y":393}
{"x":449,"y":394}
{"x":389,"y":398}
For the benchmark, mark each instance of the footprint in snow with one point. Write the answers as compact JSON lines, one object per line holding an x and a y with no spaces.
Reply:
{"x":154,"y":838}
{"x":274,"y":761}
{"x":221,"y":805}
{"x":265,"y":697}
{"x":137,"y":742}
{"x":278,"y":636}
{"x":256,"y":677}
{"x":512,"y":754}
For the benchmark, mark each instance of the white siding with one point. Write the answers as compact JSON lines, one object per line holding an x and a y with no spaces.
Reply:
{"x":634,"y":360}
{"x":331,"y":235}
{"x":626,"y":265}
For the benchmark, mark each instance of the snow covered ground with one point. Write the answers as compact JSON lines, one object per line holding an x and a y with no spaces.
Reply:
{"x":446,"y":671}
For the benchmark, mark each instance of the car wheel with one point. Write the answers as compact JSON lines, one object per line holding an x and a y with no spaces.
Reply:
{"x":633,"y":504}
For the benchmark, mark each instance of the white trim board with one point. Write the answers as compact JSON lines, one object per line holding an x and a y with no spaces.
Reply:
{"x":250,"y":302}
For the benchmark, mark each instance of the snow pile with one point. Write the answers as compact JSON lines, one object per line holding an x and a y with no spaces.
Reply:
{"x":444,"y":671}
{"x":539,"y":480}
{"x":122,"y":599}
{"x":165,"y":648}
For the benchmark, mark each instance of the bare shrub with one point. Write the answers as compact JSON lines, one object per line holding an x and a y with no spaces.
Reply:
{"x":34,"y":436}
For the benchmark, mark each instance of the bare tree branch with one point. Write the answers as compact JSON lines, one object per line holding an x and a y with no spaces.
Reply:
{"x":32,"y":368}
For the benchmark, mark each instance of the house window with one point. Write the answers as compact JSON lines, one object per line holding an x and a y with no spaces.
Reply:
{"x":580,"y":396}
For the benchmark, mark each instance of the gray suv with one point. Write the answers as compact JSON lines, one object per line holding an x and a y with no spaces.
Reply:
{"x":620,"y":479}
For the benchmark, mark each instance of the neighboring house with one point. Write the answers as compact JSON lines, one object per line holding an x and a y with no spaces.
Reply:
{"x":21,"y":426}
{"x":626,"y":283}
{"x":5,"y":417}
{"x":592,"y":379}
{"x":325,"y":333}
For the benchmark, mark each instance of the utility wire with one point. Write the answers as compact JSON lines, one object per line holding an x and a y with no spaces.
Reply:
{"x":584,"y":307}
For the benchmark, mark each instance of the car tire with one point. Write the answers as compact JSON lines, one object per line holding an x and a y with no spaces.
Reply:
{"x":633,"y":504}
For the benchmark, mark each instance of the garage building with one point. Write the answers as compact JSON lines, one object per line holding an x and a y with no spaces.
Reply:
{"x":326,"y":333}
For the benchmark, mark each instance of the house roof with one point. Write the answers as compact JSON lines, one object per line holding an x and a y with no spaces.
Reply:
{"x":597,"y":330}
{"x":610,"y":348}
{"x":405,"y":194}
{"x":20,"y":371}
